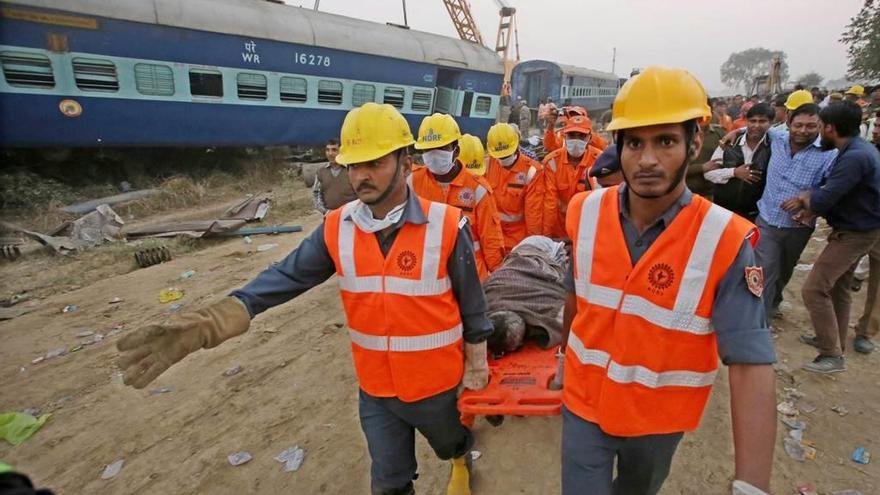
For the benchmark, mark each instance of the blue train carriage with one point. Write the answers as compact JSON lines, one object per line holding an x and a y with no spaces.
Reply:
{"x":535,"y":80}
{"x":85,"y":73}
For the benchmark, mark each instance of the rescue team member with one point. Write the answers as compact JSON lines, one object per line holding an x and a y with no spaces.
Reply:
{"x":517,"y":184}
{"x":444,"y":179}
{"x":854,"y":94}
{"x":332,"y":188}
{"x":663,"y":284}
{"x":472,"y":155}
{"x":566,"y":172}
{"x":553,"y":139}
{"x":606,"y":170}
{"x":408,"y":298}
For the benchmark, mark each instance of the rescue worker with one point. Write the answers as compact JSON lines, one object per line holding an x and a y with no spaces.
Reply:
{"x":472,"y":154}
{"x":606,"y":170}
{"x":566,"y":172}
{"x":332,"y":188}
{"x":553,"y":139}
{"x":517,"y":185}
{"x":662,"y":284}
{"x":854,"y":94}
{"x":444,"y":179}
{"x":408,"y":299}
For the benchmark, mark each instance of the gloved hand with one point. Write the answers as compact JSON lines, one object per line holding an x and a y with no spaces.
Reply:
{"x":148,"y":351}
{"x":741,"y":487}
{"x":476,"y":367}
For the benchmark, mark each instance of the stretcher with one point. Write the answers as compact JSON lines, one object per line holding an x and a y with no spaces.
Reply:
{"x":518,"y":386}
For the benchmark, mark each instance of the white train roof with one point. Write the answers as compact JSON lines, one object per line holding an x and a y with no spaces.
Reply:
{"x":262,"y":19}
{"x":576,"y":71}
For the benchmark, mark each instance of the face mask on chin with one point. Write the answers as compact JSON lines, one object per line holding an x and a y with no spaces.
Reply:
{"x":575,"y":147}
{"x":362,"y":216}
{"x":508,"y":161}
{"x":439,"y":162}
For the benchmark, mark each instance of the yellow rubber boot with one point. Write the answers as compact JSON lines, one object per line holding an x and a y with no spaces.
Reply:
{"x":460,"y":478}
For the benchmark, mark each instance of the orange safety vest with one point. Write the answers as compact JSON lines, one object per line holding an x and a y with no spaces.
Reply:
{"x":404,"y":321}
{"x":641,"y":356}
{"x":563,"y":180}
{"x":519,"y":196}
{"x":473,"y":196}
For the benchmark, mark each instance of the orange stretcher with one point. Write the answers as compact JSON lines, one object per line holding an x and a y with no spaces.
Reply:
{"x":518,"y":386}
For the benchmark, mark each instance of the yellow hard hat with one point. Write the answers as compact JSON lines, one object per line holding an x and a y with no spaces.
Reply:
{"x":659,"y":95}
{"x":856,"y":90}
{"x":372,"y":131}
{"x":437,"y":131}
{"x":798,"y":98}
{"x":503,"y":140}
{"x":472,"y":154}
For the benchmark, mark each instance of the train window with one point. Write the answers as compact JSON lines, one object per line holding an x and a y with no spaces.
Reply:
{"x":330,"y":92}
{"x":27,"y":69}
{"x":205,"y":83}
{"x":294,"y":89}
{"x":251,"y":86}
{"x":421,"y":100}
{"x":93,"y":74}
{"x":394,"y":96}
{"x":154,"y":80}
{"x":483,"y":105}
{"x":362,"y":93}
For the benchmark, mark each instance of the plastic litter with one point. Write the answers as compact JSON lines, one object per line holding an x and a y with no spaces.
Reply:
{"x":797,"y":450}
{"x":161,"y":390}
{"x":247,"y":240}
{"x":292,"y":458}
{"x":70,"y":308}
{"x":56,"y":353}
{"x":16,"y":427}
{"x":111,"y":470}
{"x":804,"y":267}
{"x":806,"y":490}
{"x":115,"y":300}
{"x":861,"y":456}
{"x":239,"y":458}
{"x":840,"y":410}
{"x":476,"y":454}
{"x":792,"y":423}
{"x":233,"y":371}
{"x":787,"y":408}
{"x":170,"y":295}
{"x":266,"y":247}
{"x":175,"y":307}
{"x":38,"y":359}
{"x":187,"y":274}
{"x":87,"y":333}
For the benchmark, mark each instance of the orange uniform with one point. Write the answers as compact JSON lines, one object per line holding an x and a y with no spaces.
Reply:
{"x":397,"y":354}
{"x":473,"y":196}
{"x":553,"y":140}
{"x":564,"y":179}
{"x":519,"y":196}
{"x":641,"y":356}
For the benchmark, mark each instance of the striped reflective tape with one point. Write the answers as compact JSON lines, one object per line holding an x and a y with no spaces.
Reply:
{"x":417,"y":343}
{"x":654,"y":379}
{"x":593,"y":357}
{"x":510,"y":218}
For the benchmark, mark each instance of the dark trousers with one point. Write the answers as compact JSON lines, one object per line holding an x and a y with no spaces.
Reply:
{"x":778,"y":251}
{"x":389,"y":425}
{"x":869,"y":323}
{"x":588,"y":460}
{"x":827,"y":293}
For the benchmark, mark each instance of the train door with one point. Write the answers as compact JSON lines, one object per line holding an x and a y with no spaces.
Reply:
{"x":448,"y":99}
{"x":536,"y":89}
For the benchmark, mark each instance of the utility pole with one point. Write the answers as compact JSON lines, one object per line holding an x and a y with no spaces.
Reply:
{"x":405,"y":23}
{"x":317,"y":3}
{"x":613,"y":60}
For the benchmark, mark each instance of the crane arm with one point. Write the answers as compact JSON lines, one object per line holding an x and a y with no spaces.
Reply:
{"x":460,"y":13}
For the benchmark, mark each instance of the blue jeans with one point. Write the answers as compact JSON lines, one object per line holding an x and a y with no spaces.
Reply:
{"x":389,"y":425}
{"x":588,"y":456}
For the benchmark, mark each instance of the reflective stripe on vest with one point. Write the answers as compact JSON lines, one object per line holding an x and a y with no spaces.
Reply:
{"x":682,"y":317}
{"x":480,"y":193}
{"x":476,"y":246}
{"x":510,"y":218}
{"x":407,"y":344}
{"x":637,"y":374}
{"x":428,"y":285}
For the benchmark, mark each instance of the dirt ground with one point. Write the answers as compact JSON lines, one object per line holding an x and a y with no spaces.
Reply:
{"x":297,"y":387}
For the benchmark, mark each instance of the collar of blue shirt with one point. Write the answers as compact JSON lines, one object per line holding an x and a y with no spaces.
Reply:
{"x":412,"y":211}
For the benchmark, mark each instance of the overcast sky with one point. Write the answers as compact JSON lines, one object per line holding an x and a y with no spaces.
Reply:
{"x":694,"y":34}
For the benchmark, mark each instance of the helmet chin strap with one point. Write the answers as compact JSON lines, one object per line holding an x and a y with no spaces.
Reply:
{"x":390,"y":188}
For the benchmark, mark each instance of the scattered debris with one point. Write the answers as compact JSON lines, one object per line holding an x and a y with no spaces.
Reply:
{"x":861,"y":456}
{"x":101,"y":225}
{"x":56,"y":353}
{"x":187,"y":274}
{"x":787,"y":408}
{"x":87,"y":333}
{"x":806,"y":490}
{"x":33,"y":411}
{"x":58,"y":245}
{"x":169,"y":295}
{"x":111,"y":470}
{"x":476,"y":454}
{"x":38,"y":359}
{"x":840,"y":410}
{"x":247,"y":240}
{"x":70,"y":308}
{"x":799,"y":450}
{"x":161,"y":390}
{"x":266,"y":247}
{"x":16,"y":427}
{"x":239,"y":458}
{"x":808,"y":408}
{"x":10,"y":313}
{"x":175,"y":307}
{"x":195,"y":229}
{"x":804,"y":267}
{"x":87,"y":206}
{"x":115,"y":300}
{"x":233,"y":371}
{"x":292,"y":458}
{"x":10,"y":251}
{"x":152,"y":256}
{"x":792,"y":423}
{"x":252,"y":208}
{"x":278,"y":229}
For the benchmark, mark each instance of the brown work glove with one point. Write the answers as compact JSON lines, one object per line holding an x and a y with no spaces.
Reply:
{"x":148,"y":351}
{"x":476,"y":367}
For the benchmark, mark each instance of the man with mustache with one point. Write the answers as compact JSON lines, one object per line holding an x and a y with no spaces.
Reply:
{"x":849,"y":199}
{"x":663,"y":284}
{"x":415,"y":308}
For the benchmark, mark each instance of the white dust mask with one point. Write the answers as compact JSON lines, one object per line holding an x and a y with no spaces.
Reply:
{"x":508,"y":161}
{"x":575,"y":147}
{"x":362,"y":216}
{"x":439,"y":162}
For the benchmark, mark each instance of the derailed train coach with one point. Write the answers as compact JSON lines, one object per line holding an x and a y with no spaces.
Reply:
{"x":86,"y":73}
{"x":594,"y":90}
